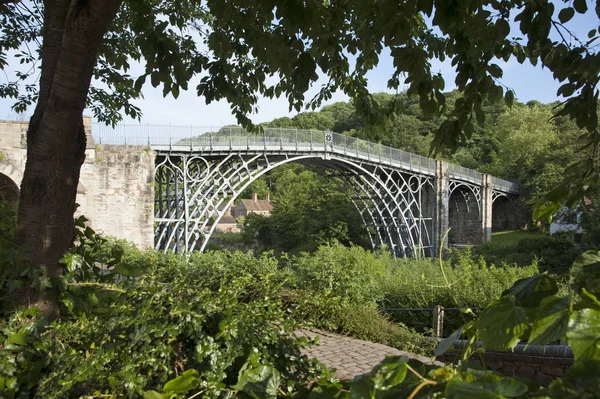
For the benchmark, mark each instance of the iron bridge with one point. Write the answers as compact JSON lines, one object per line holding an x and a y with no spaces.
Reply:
{"x":399,"y":196}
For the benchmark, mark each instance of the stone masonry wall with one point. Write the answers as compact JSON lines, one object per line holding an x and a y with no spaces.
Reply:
{"x":116,"y":186}
{"x":116,"y":192}
{"x":464,"y":218}
{"x":540,"y":363}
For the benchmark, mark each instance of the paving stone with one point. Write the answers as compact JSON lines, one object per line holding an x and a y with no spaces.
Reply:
{"x":350,"y":357}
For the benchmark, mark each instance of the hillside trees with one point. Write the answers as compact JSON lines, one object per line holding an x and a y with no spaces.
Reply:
{"x":235,"y":46}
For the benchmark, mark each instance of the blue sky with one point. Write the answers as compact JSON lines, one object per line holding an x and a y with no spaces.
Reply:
{"x":528,"y":82}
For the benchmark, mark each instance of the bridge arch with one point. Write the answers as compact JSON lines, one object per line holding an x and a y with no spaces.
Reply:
{"x":504,"y":213}
{"x":464,"y":214}
{"x":193,"y":192}
{"x":9,"y":190}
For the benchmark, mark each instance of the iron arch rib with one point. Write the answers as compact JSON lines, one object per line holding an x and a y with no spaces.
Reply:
{"x":194,"y":190}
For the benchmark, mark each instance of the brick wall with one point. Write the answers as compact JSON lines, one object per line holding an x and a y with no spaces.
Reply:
{"x":539,"y":363}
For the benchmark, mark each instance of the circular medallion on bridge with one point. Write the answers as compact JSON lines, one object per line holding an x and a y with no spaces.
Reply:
{"x":328,"y":138}
{"x":198,"y":169}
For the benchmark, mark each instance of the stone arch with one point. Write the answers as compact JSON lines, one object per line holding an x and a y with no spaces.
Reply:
{"x":9,"y":190}
{"x":504,"y":214}
{"x":464,"y":215}
{"x":194,"y":191}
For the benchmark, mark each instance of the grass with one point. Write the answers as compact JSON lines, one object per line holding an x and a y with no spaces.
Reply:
{"x":511,"y":237}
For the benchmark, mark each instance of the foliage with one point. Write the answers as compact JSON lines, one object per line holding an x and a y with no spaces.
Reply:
{"x":163,"y":326}
{"x":11,"y":254}
{"x":352,"y":274}
{"x":309,"y":209}
{"x":123,"y":335}
{"x":422,"y":284}
{"x":338,"y":289}
{"x":552,"y":254}
{"x":590,"y":223}
{"x":529,"y":310}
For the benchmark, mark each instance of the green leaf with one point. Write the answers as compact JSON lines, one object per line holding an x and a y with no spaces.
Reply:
{"x":566,"y":90}
{"x":580,"y":6}
{"x":502,"y":324}
{"x":585,"y":273}
{"x":390,"y":372}
{"x":501,"y":388}
{"x":502,"y":28}
{"x":583,"y":334}
{"x":509,"y":98}
{"x":155,"y":79}
{"x":586,"y":258}
{"x":449,"y":342}
{"x":185,"y":382}
{"x":566,"y":14}
{"x":17,"y":338}
{"x":259,"y":382}
{"x":153,"y":395}
{"x":551,"y":321}
{"x":580,"y":381}
{"x":495,"y":71}
{"x":590,"y":300}
{"x":93,"y":299}
{"x":362,"y":387}
{"x":529,"y":292}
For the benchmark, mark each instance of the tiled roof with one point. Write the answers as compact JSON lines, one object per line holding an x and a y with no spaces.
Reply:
{"x":256,"y":206}
{"x":226,"y":219}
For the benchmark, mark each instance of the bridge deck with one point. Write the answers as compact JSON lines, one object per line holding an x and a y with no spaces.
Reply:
{"x":284,"y":141}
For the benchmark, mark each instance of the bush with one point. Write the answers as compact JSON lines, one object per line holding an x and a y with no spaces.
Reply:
{"x":358,"y":321}
{"x":553,"y":254}
{"x":353,"y":274}
{"x":214,"y":313}
{"x":470,"y":284}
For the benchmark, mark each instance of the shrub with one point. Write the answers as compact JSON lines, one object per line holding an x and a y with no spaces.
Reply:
{"x":553,"y":254}
{"x":470,"y":284}
{"x":351,"y":274}
{"x":122,"y":335}
{"x":358,"y":321}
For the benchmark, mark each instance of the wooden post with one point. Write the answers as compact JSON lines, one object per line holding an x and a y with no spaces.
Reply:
{"x":438,"y":320}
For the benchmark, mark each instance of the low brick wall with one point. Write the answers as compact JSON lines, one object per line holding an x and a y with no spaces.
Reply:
{"x":539,"y":363}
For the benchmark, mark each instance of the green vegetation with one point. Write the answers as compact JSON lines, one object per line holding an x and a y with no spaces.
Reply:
{"x":224,"y":336}
{"x":552,"y":254}
{"x":511,"y":237}
{"x":220,"y":324}
{"x":464,"y":283}
{"x":523,"y":143}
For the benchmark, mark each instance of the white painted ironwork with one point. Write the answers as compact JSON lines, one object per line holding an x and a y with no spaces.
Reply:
{"x":231,"y":138}
{"x":200,"y":172}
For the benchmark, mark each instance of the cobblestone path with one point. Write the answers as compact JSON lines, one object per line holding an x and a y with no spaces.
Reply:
{"x":350,"y":357}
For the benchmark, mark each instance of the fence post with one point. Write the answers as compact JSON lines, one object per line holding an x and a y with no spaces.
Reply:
{"x":438,"y":320}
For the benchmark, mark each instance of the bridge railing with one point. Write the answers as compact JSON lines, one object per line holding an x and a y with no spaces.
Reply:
{"x":504,"y":185}
{"x":471,"y":175}
{"x":209,"y":138}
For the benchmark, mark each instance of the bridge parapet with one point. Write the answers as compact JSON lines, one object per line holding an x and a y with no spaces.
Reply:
{"x":504,"y":186}
{"x":202,"y":140}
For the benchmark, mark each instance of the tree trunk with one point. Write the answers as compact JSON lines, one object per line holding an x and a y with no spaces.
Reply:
{"x":73,"y":31}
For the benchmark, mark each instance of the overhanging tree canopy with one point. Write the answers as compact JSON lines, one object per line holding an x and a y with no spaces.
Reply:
{"x":236,"y":47}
